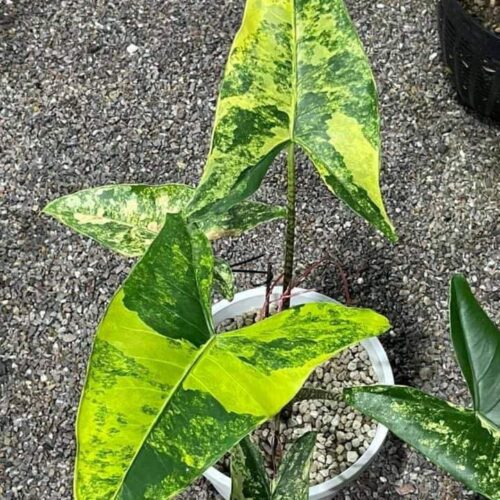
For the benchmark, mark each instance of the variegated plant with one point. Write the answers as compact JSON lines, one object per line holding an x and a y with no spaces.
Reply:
{"x":297,"y":76}
{"x":249,"y":478}
{"x":465,"y":442}
{"x":127,"y":217}
{"x":165,"y":397}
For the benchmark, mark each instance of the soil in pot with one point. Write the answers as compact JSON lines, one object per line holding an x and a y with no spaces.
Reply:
{"x":486,"y":11}
{"x":343,"y":433}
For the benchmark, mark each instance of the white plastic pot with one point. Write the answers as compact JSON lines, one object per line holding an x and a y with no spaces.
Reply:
{"x":253,"y":299}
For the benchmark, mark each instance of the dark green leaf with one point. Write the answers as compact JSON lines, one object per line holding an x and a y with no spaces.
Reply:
{"x":249,"y":479}
{"x":458,"y":440}
{"x":477,"y":346}
{"x":293,"y":475}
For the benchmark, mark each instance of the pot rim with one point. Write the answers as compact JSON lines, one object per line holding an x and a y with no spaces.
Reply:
{"x":247,"y":300}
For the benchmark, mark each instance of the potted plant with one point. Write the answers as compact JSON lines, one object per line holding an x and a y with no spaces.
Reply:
{"x":470,"y":42}
{"x":463,"y":441}
{"x":165,"y":395}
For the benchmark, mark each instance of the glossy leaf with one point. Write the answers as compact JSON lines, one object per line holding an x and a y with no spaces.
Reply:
{"x":477,"y":345}
{"x":293,"y":475}
{"x":296,"y":72}
{"x":224,"y":279}
{"x":249,"y":479}
{"x":127,"y":217}
{"x":458,"y":440}
{"x":164,"y":397}
{"x":464,"y":442}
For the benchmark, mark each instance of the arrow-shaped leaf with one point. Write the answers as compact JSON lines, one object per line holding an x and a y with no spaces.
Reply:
{"x":476,"y":340}
{"x":127,"y":217}
{"x":296,"y":72}
{"x":464,"y":442}
{"x":165,"y":398}
{"x":454,"y":438}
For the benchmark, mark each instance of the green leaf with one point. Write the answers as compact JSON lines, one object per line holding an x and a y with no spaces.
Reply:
{"x":477,"y":345}
{"x":122,"y":217}
{"x":239,"y":219}
{"x":249,"y":479}
{"x":127,"y":217}
{"x":296,"y":72}
{"x":224,"y":279}
{"x":164,"y":397}
{"x":293,"y":475}
{"x":464,"y":442}
{"x":458,"y":440}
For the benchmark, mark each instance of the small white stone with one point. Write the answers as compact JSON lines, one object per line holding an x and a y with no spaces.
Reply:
{"x":352,"y":456}
{"x":352,"y":366}
{"x":132,"y":49}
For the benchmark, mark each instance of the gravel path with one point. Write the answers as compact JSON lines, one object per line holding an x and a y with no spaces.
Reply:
{"x":107,"y":91}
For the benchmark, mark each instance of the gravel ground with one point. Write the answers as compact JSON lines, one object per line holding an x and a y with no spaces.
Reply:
{"x":78,"y":109}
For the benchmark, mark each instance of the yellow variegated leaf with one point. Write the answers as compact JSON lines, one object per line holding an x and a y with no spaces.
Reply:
{"x":454,"y":438}
{"x":165,"y":397}
{"x":127,"y":217}
{"x":296,"y":72}
{"x":250,"y":480}
{"x":464,"y":442}
{"x":224,"y":279}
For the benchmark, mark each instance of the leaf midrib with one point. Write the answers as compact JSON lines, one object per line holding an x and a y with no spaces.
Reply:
{"x":176,"y":387}
{"x":191,"y":366}
{"x":475,"y":383}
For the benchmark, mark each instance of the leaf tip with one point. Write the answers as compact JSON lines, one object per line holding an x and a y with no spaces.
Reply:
{"x":390,"y":233}
{"x":49,"y":208}
{"x":458,"y":280}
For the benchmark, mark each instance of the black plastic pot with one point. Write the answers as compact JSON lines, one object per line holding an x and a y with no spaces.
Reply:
{"x":472,"y":54}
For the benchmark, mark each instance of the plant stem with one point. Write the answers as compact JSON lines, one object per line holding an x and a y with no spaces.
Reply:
{"x":290,"y":224}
